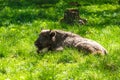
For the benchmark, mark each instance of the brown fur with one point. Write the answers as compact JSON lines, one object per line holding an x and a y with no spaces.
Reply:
{"x":57,"y":40}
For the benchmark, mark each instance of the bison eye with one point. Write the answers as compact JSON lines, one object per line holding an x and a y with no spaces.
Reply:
{"x":45,"y":37}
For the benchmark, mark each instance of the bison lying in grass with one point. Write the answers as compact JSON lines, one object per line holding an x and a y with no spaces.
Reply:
{"x":57,"y":40}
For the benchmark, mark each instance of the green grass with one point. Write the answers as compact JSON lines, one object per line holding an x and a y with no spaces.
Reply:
{"x":21,"y":22}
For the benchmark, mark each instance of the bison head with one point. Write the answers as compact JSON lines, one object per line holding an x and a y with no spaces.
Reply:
{"x":45,"y":39}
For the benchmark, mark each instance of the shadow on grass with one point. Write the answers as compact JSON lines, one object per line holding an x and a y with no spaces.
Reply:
{"x":109,"y":17}
{"x":106,"y":17}
{"x":8,"y":16}
{"x":26,"y":3}
{"x":87,"y":2}
{"x":25,"y":11}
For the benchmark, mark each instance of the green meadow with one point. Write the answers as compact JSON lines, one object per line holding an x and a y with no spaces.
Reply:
{"x":21,"y":22}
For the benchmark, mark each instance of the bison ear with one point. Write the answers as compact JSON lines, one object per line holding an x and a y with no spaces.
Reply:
{"x":52,"y":33}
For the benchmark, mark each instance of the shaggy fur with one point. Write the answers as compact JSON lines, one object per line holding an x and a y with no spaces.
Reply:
{"x":57,"y":40}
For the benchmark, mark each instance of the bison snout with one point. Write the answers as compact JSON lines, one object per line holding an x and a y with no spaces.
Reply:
{"x":37,"y":43}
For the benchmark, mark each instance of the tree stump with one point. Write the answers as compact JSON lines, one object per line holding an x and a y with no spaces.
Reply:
{"x":71,"y":16}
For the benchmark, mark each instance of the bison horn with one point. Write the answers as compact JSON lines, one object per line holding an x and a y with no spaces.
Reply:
{"x":52,"y":33}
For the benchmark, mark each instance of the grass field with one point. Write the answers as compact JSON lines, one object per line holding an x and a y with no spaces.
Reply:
{"x":20,"y":25}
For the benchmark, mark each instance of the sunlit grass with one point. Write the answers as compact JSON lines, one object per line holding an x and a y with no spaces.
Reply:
{"x":21,"y":25}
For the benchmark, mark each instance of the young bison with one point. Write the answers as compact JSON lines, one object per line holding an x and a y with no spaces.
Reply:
{"x":57,"y":40}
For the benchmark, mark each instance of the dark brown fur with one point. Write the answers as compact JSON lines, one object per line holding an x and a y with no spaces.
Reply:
{"x":57,"y":40}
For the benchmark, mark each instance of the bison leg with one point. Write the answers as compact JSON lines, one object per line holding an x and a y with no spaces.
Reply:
{"x":59,"y":48}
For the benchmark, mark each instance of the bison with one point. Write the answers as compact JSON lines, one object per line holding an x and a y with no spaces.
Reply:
{"x":56,"y":40}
